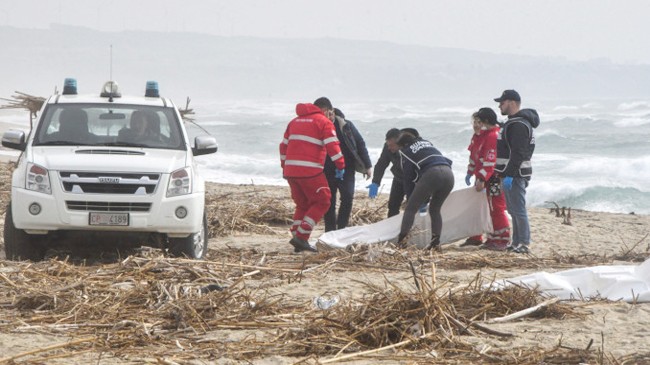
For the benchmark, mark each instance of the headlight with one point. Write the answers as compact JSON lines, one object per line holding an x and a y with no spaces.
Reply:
{"x":38,"y":179}
{"x":180,"y":182}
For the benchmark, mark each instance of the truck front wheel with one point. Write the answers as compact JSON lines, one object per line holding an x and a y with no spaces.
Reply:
{"x":194,"y":246}
{"x":20,"y":245}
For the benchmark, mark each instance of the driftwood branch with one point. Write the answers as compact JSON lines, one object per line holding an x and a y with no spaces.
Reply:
{"x":373,"y":351}
{"x":24,"y":101}
{"x":523,"y":313}
{"x":187,"y":113}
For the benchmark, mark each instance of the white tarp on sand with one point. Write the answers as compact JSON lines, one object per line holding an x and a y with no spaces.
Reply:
{"x":619,"y":282}
{"x":465,"y":213}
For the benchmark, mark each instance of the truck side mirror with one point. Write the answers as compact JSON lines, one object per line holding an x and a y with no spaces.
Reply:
{"x":14,"y":139}
{"x":203,"y":145}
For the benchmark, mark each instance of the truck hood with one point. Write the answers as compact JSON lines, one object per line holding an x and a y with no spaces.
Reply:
{"x":66,"y":158}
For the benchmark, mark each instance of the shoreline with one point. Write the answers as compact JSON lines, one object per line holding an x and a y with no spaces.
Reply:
{"x":254,"y":256}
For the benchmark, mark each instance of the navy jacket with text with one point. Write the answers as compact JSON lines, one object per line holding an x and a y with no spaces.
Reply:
{"x":417,"y":157}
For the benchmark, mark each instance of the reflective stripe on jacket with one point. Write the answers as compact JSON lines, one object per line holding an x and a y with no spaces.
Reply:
{"x":515,"y":147}
{"x":307,"y":139}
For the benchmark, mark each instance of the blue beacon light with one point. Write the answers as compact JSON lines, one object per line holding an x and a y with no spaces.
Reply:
{"x":152,"y":89}
{"x":70,"y":86}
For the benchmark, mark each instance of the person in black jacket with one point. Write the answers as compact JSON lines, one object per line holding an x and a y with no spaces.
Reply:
{"x":427,"y":178}
{"x":389,"y":155}
{"x":355,"y":153}
{"x":515,"y":147}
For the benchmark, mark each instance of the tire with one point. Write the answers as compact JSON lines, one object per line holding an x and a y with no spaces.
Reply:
{"x":194,"y":246}
{"x":20,"y":245}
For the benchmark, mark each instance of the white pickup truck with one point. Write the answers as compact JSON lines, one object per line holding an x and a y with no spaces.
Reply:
{"x":107,"y":168}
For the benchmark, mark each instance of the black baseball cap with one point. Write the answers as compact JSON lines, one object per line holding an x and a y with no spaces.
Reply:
{"x":508,"y":95}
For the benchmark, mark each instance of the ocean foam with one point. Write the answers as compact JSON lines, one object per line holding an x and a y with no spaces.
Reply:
{"x":582,"y":150}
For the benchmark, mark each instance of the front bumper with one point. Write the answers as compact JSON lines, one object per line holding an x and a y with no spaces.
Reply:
{"x":55,"y":214}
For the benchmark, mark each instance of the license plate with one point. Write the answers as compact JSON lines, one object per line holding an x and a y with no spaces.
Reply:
{"x":108,"y":219}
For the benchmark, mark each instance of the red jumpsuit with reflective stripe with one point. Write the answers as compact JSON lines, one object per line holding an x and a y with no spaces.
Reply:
{"x":307,"y":140}
{"x":483,"y":156}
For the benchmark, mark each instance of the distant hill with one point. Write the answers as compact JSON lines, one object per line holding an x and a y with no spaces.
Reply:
{"x":205,"y":66}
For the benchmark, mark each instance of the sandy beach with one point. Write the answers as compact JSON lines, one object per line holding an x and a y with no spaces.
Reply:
{"x":48,"y":313}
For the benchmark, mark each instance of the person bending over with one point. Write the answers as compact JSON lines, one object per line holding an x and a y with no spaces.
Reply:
{"x":427,"y":178}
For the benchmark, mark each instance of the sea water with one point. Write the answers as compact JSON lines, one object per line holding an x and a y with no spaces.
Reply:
{"x":592,"y":155}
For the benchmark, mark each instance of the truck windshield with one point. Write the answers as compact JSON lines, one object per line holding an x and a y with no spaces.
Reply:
{"x":110,"y":125}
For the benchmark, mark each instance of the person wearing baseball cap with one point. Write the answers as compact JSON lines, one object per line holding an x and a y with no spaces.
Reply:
{"x":508,"y":95}
{"x":515,"y":147}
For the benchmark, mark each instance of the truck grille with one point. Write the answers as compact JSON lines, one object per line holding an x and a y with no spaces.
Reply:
{"x":109,"y":183}
{"x":108,"y":206}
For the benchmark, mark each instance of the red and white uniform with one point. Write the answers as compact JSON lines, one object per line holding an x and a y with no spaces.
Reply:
{"x":307,"y":140}
{"x":482,"y":160}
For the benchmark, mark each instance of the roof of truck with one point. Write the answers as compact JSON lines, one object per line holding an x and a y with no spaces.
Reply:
{"x":110,"y":94}
{"x":96,"y":99}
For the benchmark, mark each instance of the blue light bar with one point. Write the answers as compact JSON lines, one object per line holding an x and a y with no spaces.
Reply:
{"x":70,"y":86}
{"x":152,"y":89}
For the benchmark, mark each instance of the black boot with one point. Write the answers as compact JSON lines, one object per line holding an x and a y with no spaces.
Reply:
{"x":301,"y":245}
{"x":434,"y":244}
{"x":402,"y":240}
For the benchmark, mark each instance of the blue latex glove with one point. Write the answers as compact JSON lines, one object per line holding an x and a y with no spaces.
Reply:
{"x":468,"y":179}
{"x":373,"y":189}
{"x":423,"y":208}
{"x":339,"y":174}
{"x":507,"y":183}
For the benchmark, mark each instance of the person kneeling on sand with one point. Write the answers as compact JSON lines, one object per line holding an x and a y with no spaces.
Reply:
{"x":427,"y":178}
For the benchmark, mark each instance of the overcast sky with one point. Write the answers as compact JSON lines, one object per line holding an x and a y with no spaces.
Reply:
{"x":574,"y":29}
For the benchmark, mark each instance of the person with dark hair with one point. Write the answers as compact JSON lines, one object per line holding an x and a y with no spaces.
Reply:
{"x":307,"y":140}
{"x":142,"y":128}
{"x":515,"y":147}
{"x":355,"y":153}
{"x":326,"y":106}
{"x":389,"y":155}
{"x":427,"y":178}
{"x":481,"y":167}
{"x":73,"y":127}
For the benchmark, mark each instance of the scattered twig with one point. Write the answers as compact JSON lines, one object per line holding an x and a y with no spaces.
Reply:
{"x":524,"y":312}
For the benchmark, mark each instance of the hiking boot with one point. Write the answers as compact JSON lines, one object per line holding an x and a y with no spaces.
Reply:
{"x":471,"y":242}
{"x":301,"y":245}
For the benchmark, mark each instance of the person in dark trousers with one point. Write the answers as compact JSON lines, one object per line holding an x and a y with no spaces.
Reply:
{"x":427,"y":178}
{"x":515,"y":147}
{"x":354,"y":151}
{"x":389,"y":155}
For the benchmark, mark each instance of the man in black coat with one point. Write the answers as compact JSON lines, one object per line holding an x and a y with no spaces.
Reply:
{"x":389,"y":155}
{"x":515,"y":147}
{"x":354,"y":150}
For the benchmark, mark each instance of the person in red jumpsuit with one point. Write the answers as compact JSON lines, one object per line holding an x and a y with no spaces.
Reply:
{"x":308,"y":138}
{"x":481,"y":167}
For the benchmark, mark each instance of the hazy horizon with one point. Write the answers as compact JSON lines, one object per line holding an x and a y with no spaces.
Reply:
{"x":577,"y":30}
